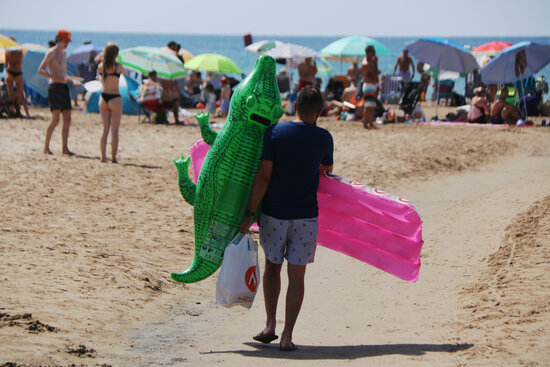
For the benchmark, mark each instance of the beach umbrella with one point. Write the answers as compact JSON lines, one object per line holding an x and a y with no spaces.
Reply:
{"x":31,"y":61}
{"x":323,"y":68}
{"x":443,"y":54}
{"x":83,"y":53}
{"x":185,"y":54}
{"x":291,"y":52}
{"x":214,"y":63}
{"x":490,"y":48}
{"x":261,"y":47}
{"x":516,"y":63}
{"x":6,"y":42}
{"x":145,"y":59}
{"x":352,"y":49}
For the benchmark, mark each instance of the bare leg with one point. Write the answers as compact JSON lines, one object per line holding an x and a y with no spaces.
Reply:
{"x":510,"y":114}
{"x":65,"y":131}
{"x":368,"y":117}
{"x":272,"y":288}
{"x":11,"y":92}
{"x":106,"y":120}
{"x":21,"y":94}
{"x":115,"y":105}
{"x":51,"y":128}
{"x":294,"y":298}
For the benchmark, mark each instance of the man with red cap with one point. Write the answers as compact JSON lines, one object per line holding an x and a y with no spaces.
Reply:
{"x":54,"y":67}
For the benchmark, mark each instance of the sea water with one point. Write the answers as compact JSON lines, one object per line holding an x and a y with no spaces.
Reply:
{"x":233,"y":46}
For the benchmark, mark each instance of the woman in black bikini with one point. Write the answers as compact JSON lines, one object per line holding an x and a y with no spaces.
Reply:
{"x":110,"y":102}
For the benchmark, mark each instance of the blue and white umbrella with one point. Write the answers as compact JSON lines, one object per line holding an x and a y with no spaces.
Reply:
{"x":443,"y":54}
{"x":516,"y":63}
{"x":82,"y":54}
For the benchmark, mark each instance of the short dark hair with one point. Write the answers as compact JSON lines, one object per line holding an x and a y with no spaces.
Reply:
{"x":152,"y":73}
{"x":370,"y":48}
{"x":309,"y":102}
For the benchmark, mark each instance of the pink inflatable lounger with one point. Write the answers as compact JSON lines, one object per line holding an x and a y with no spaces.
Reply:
{"x":370,"y":225}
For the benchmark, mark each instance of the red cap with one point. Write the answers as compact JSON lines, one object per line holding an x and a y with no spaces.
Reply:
{"x":223,"y":79}
{"x":64,"y":34}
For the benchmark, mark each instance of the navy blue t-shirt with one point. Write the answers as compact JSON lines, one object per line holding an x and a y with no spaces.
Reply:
{"x":296,"y":150}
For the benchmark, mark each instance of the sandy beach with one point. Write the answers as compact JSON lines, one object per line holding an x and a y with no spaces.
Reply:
{"x":88,"y":248}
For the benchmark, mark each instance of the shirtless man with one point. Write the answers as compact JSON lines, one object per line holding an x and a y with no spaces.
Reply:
{"x":14,"y":61}
{"x":369,"y":70}
{"x":354,"y":73}
{"x":404,"y":62}
{"x":307,"y":70}
{"x":54,"y":67}
{"x":502,"y":112}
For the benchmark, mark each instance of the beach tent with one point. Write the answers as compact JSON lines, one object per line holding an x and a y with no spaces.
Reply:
{"x":128,"y":91}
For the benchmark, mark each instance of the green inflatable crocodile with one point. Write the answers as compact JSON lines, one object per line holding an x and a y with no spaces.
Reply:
{"x":225,"y":182}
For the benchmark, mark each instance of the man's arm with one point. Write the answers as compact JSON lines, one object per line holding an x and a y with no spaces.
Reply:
{"x":259,"y":187}
{"x":44,"y":64}
{"x":396,"y":64}
{"x":412,"y":64}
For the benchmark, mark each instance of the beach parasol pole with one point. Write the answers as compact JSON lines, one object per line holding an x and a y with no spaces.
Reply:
{"x":437,"y":94}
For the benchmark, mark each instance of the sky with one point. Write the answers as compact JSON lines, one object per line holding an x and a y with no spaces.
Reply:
{"x":398,"y":18}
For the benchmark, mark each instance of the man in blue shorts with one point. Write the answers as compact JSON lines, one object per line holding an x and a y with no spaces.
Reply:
{"x":288,"y":178}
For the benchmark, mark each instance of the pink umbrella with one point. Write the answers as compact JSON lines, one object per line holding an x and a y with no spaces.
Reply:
{"x":490,"y":48}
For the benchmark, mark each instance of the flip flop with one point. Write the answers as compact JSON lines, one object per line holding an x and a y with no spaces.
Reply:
{"x":265,"y":338}
{"x":293,"y":347}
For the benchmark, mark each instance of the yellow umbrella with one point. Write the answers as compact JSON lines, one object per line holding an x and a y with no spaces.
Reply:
{"x":6,"y":42}
{"x":185,"y":54}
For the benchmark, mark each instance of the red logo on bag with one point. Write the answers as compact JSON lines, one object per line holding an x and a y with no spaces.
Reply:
{"x":250,"y":279}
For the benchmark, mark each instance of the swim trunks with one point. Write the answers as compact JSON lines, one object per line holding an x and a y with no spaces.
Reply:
{"x":303,"y":83}
{"x":406,"y":75}
{"x":369,"y":94}
{"x":224,"y":105}
{"x":59,"y":97}
{"x":292,"y":239}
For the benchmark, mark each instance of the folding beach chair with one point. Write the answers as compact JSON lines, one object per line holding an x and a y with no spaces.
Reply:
{"x":391,"y":86}
{"x":445,"y":90}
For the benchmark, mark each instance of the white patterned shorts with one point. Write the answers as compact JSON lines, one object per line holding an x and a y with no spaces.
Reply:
{"x":292,"y":239}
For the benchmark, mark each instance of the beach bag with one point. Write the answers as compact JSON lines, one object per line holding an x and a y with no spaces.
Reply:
{"x":239,"y":274}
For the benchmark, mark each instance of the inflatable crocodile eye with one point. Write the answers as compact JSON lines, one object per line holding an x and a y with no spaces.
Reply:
{"x":277,"y":112}
{"x":250,"y":101}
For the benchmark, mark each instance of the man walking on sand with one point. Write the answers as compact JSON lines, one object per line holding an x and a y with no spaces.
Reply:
{"x":54,"y":67}
{"x":288,"y":178}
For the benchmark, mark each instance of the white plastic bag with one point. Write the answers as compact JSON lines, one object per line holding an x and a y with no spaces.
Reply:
{"x":239,"y":276}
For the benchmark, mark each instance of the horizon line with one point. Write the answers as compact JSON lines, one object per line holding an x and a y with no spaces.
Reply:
{"x":276,"y":35}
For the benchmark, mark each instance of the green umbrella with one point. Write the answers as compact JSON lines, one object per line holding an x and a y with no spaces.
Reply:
{"x":145,"y":59}
{"x":352,"y":49}
{"x":214,"y":63}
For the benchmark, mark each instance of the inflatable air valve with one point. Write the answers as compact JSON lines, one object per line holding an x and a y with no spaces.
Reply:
{"x":225,"y":181}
